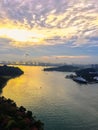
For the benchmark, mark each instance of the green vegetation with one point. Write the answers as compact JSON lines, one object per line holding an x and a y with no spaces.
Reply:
{"x":17,"y":118}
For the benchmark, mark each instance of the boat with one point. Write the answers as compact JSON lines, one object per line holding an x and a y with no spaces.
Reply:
{"x":80,"y":80}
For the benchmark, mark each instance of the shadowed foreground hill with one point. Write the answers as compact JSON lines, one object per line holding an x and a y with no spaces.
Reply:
{"x":17,"y":118}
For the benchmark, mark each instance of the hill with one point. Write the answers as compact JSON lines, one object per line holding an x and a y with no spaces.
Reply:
{"x":8,"y":72}
{"x":64,"y":68}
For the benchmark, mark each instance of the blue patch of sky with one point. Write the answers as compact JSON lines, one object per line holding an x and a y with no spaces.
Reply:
{"x":93,"y":38}
{"x":62,"y":50}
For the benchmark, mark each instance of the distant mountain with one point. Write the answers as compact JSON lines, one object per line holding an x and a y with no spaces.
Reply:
{"x":64,"y":68}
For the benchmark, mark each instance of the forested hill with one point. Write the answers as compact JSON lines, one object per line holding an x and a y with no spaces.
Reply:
{"x":8,"y":72}
{"x":64,"y":68}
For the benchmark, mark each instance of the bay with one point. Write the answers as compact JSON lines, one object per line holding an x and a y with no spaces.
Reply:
{"x":59,"y":102}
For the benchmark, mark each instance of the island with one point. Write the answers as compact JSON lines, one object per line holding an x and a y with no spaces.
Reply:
{"x":87,"y":75}
{"x":8,"y":72}
{"x":82,"y":74}
{"x":13,"y":117}
{"x":64,"y":68}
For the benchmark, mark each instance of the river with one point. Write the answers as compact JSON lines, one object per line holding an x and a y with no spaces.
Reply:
{"x":59,"y":102}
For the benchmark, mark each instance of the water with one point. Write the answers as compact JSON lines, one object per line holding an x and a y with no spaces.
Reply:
{"x":60,"y":103}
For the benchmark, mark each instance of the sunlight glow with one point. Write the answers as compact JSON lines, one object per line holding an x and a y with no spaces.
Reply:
{"x":21,"y":35}
{"x":37,"y":36}
{"x":38,"y":25}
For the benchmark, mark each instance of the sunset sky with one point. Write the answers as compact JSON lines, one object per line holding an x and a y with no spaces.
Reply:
{"x":49,"y":30}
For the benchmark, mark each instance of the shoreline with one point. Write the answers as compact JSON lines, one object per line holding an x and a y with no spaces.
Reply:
{"x":7,"y":73}
{"x":13,"y":117}
{"x":3,"y":82}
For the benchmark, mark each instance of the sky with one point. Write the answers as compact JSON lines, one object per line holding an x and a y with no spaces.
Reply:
{"x":49,"y":30}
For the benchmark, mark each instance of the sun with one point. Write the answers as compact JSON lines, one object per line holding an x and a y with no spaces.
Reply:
{"x":21,"y":35}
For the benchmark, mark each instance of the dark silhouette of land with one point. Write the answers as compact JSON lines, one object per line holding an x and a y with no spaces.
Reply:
{"x":82,"y":73}
{"x":8,"y":72}
{"x":64,"y":68}
{"x":90,"y":74}
{"x":85,"y":76}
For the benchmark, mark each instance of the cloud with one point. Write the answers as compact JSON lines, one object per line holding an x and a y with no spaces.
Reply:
{"x":64,"y":19}
{"x":80,"y":59}
{"x":66,"y":57}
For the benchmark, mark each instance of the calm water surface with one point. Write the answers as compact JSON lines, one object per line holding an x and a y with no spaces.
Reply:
{"x":60,"y":103}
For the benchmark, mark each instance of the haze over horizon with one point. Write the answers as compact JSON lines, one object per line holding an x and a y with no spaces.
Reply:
{"x":51,"y":31}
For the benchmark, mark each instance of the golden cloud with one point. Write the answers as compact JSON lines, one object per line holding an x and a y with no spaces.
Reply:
{"x":76,"y":20}
{"x":20,"y":34}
